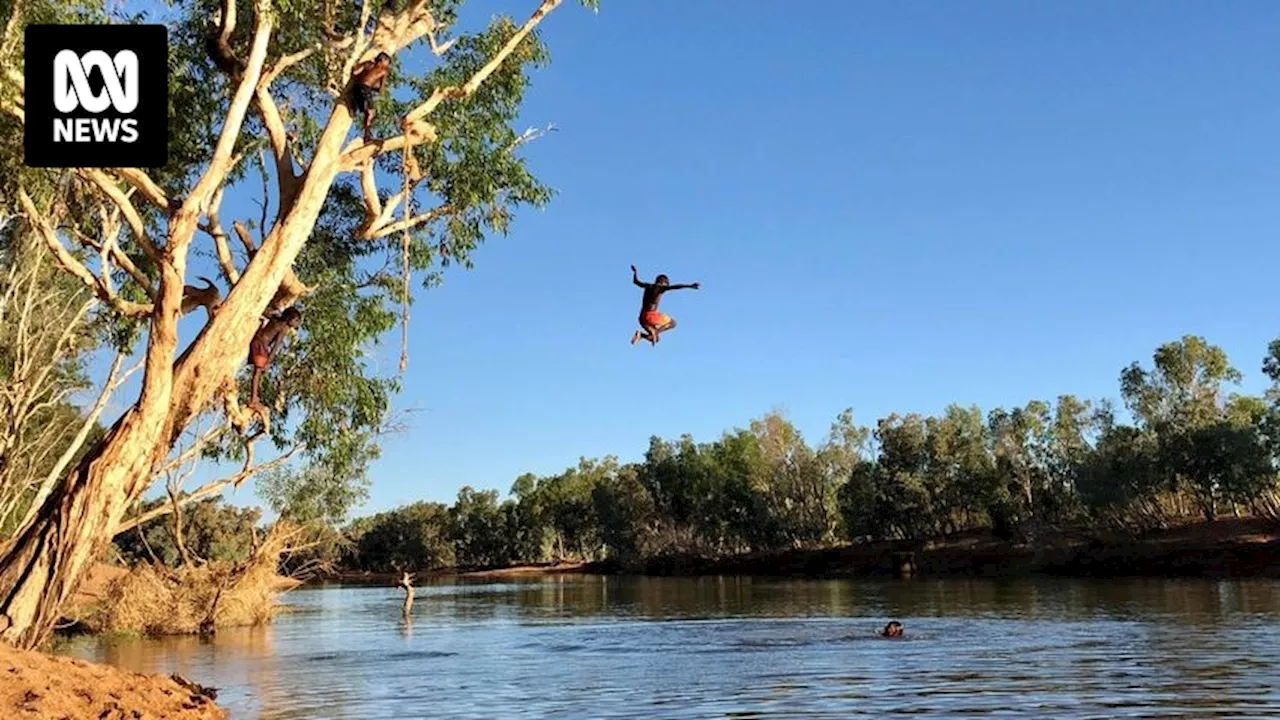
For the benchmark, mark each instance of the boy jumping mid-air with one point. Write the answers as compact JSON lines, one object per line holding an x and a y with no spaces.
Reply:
{"x":652,"y":322}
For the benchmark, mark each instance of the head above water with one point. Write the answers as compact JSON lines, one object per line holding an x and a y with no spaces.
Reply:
{"x":661,"y":280}
{"x":893,"y":629}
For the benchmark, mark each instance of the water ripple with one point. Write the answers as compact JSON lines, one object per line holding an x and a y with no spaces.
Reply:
{"x":744,"y":648}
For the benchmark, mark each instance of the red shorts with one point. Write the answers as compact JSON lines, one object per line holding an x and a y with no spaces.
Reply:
{"x":654,"y":319}
{"x":259,"y":355}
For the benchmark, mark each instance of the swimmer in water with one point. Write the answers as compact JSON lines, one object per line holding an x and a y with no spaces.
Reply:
{"x":892,"y":630}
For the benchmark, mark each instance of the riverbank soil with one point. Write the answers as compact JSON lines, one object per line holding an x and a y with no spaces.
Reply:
{"x":34,"y":685}
{"x":1226,"y":548}
{"x":355,"y":577}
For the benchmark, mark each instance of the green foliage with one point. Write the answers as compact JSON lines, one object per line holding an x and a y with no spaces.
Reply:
{"x":312,"y":496}
{"x":479,"y":529}
{"x":1193,"y":452}
{"x":211,"y":530}
{"x":412,"y":538}
{"x":47,"y":332}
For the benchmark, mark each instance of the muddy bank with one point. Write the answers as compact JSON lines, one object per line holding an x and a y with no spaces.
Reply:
{"x":34,"y":685}
{"x":353,"y":577}
{"x":1243,"y":548}
{"x":1228,"y":548}
{"x":564,"y":568}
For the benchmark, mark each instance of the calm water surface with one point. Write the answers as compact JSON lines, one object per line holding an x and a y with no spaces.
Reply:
{"x":591,"y":647}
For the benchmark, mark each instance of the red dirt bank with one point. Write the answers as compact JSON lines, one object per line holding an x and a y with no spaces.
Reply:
{"x":34,"y":685}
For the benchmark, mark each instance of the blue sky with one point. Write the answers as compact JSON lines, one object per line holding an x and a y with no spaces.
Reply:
{"x":891,"y":206}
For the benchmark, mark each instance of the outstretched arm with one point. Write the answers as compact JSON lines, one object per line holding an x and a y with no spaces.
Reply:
{"x":635,"y":278}
{"x":690,"y":286}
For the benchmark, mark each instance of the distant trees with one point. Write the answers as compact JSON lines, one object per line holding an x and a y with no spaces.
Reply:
{"x":1191,"y":450}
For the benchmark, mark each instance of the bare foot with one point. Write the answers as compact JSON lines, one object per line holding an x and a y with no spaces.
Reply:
{"x":635,"y":337}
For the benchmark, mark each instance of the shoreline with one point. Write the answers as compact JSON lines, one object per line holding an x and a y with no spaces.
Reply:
{"x":1227,"y":548}
{"x":1246,"y":548}
{"x":360,"y":577}
{"x":44,"y":685}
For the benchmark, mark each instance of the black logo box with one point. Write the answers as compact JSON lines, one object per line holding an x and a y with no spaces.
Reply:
{"x":151,"y":45}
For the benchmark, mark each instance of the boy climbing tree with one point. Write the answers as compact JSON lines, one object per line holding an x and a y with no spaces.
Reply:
{"x":369,"y":79}
{"x":653,"y":322}
{"x":265,"y":343}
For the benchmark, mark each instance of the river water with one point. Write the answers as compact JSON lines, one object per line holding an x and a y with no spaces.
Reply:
{"x":597,"y":647}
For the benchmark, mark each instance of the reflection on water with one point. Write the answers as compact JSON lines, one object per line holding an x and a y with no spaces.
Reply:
{"x":593,"y":647}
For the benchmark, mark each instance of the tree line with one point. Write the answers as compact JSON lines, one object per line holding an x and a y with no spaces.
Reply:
{"x":1186,"y":448}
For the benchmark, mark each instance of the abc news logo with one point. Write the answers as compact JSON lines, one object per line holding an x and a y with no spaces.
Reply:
{"x":97,"y":96}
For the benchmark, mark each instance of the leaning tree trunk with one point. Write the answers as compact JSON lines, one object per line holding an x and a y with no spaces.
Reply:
{"x":41,"y":566}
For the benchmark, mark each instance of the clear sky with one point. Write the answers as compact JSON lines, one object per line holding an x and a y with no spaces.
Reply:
{"x":891,"y":207}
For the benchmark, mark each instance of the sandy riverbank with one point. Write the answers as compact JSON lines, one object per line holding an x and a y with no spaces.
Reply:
{"x":35,"y":685}
{"x":1227,"y":548}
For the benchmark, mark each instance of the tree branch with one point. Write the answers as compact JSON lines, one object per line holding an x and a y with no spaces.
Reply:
{"x":190,"y":453}
{"x":269,"y":111}
{"x":70,"y":264}
{"x":120,"y":258}
{"x":246,"y":239}
{"x":359,"y":42}
{"x":415,"y":128}
{"x":290,"y":288}
{"x":469,"y":88}
{"x":222,"y":161}
{"x":360,"y":152}
{"x":55,"y":473}
{"x":408,"y":223}
{"x":369,"y":190}
{"x":220,"y":244}
{"x":122,"y":201}
{"x":208,"y":489}
{"x":285,"y":63}
{"x":143,"y":183}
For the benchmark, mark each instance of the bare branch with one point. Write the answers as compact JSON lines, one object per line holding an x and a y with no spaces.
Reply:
{"x":369,"y":190}
{"x":143,"y":183}
{"x":246,"y":239}
{"x":190,"y":453}
{"x":222,"y":160}
{"x":469,"y":88}
{"x":359,"y":152}
{"x":126,"y":263}
{"x":266,"y":194}
{"x":285,"y":63}
{"x":359,"y":42}
{"x":70,"y":264}
{"x":290,"y":289}
{"x":122,"y":201}
{"x":286,"y":177}
{"x":220,"y":244}
{"x":51,"y":479}
{"x":208,"y":489}
{"x":120,"y":258}
{"x":409,"y":223}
